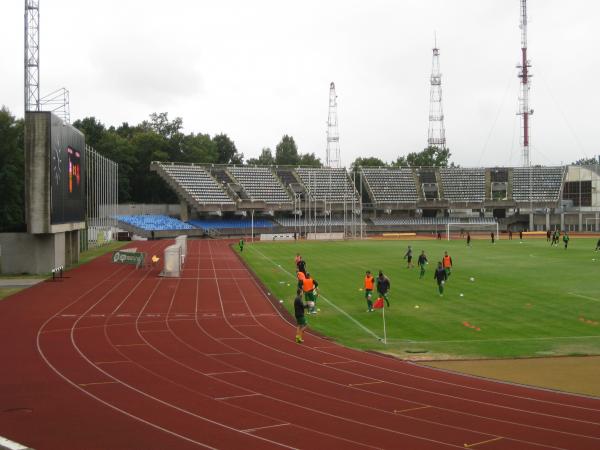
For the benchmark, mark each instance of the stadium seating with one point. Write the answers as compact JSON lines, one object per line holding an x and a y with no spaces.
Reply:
{"x":327,"y":184}
{"x":390,"y":220}
{"x":463,"y":185}
{"x":230,"y":223}
{"x":537,"y":183}
{"x":198,"y":183}
{"x":320,"y":221}
{"x":390,"y":185}
{"x":260,"y":183}
{"x":154,"y":222}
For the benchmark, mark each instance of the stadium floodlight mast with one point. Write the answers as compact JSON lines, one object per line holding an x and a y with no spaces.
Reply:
{"x":333,"y":136}
{"x":436,"y":134}
{"x":524,"y":110}
{"x":32,"y":55}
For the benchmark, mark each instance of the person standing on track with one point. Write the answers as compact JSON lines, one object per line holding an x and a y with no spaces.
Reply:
{"x":310,"y":288}
{"x":301,"y":322}
{"x":408,"y":257}
{"x":422,"y":262}
{"x":383,"y":287}
{"x":440,"y":276}
{"x":447,"y":264}
{"x":369,"y":284}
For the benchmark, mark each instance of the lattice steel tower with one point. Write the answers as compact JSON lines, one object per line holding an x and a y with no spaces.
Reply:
{"x":32,"y":55}
{"x":436,"y":135}
{"x":333,"y":136}
{"x":524,"y":111}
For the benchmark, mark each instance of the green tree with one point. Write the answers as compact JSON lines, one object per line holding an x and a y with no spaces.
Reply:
{"x":286,"y":152}
{"x":92,"y":128}
{"x":160,"y":123}
{"x":310,"y":159}
{"x":226,"y":151}
{"x":587,"y":162}
{"x":12,"y":171}
{"x":198,"y":148}
{"x":368,"y":162}
{"x":265,"y":158}
{"x":431,"y":156}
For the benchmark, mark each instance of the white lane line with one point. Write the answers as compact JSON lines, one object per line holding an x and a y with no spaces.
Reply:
{"x":224,"y":373}
{"x":252,"y":430}
{"x":11,"y":445}
{"x":396,"y":411}
{"x":98,"y":382}
{"x":238,"y":396}
{"x":360,"y":325}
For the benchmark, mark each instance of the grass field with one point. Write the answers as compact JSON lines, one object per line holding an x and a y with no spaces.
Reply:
{"x":527,"y":299}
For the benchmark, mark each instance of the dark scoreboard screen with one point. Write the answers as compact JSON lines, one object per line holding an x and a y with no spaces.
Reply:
{"x":67,"y":167}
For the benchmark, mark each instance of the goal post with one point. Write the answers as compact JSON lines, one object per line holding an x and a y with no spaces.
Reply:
{"x":473,"y":226}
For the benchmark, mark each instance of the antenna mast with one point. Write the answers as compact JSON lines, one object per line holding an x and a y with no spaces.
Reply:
{"x":524,"y":111}
{"x":32,"y":55}
{"x":436,"y":135}
{"x":333,"y":137}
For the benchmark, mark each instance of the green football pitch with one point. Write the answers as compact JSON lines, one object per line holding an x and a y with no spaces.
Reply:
{"x":510,"y":299}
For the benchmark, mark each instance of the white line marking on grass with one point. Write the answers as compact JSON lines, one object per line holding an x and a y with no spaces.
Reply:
{"x":584,"y":296}
{"x":6,"y":443}
{"x":321,"y":296}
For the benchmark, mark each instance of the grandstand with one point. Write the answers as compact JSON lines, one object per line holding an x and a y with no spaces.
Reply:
{"x":537,"y":184}
{"x":195,"y":184}
{"x":153,"y":222}
{"x":390,"y":185}
{"x":224,"y":224}
{"x":463,"y":185}
{"x":332,"y":185}
{"x":410,"y":197}
{"x":260,"y":183}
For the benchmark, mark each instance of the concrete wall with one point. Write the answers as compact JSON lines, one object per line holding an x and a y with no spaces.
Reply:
{"x":35,"y":253}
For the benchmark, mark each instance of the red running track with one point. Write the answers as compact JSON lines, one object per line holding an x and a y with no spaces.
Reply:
{"x":118,"y":358}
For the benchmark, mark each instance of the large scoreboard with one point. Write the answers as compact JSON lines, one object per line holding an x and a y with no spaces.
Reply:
{"x":54,"y":174}
{"x":67,"y":195}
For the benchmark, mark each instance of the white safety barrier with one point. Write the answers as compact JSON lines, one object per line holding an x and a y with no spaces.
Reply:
{"x":182,"y":241}
{"x":173,"y":261}
{"x":277,"y":237}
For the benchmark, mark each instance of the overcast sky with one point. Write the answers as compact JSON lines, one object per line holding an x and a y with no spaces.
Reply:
{"x":260,"y":69}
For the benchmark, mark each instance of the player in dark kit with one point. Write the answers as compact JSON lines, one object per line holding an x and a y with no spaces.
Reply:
{"x":408,"y":257}
{"x":566,"y":239}
{"x":383,"y":287}
{"x":301,"y":322}
{"x":597,"y":245}
{"x":440,"y":276}
{"x":301,"y":266}
{"x":468,"y":239}
{"x":422,"y":262}
{"x":493,"y":237}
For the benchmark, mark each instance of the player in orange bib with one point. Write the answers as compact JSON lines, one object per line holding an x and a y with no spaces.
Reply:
{"x":369,"y":285}
{"x":447,"y":264}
